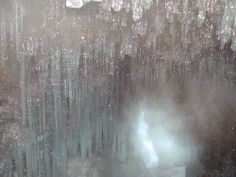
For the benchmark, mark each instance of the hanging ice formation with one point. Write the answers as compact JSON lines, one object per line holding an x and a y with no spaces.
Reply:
{"x":75,"y":69}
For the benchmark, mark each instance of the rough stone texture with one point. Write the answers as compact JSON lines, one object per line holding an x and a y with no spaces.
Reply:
{"x":71,"y":81}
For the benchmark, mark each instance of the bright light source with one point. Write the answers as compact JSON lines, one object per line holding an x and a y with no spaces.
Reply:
{"x":155,"y":142}
{"x":74,"y":3}
{"x":148,"y":144}
{"x":147,"y":149}
{"x":79,"y":3}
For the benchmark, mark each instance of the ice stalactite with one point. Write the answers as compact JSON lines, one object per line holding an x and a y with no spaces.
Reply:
{"x":228,"y":24}
{"x":3,"y":38}
{"x":201,"y":5}
{"x":117,"y":4}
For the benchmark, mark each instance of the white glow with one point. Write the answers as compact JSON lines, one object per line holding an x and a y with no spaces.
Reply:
{"x":148,"y":144}
{"x":74,"y":3}
{"x":155,"y":142}
{"x":147,"y":149}
{"x":143,"y":127}
{"x":79,"y":3}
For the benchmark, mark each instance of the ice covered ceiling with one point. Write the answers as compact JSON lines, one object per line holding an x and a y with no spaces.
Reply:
{"x":180,"y":26}
{"x":196,"y":12}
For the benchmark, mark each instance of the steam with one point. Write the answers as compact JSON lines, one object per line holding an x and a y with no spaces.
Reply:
{"x":147,"y":149}
{"x":158,"y":138}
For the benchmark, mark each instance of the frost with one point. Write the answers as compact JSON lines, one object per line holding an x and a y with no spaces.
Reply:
{"x":79,"y":3}
{"x":117,"y":4}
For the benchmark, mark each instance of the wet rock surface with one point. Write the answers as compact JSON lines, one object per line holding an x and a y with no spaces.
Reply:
{"x":72,"y":80}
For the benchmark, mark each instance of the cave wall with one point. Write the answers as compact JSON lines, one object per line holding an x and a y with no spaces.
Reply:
{"x":68,"y":77}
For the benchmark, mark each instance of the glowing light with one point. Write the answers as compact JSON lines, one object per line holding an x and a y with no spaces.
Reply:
{"x":78,"y":3}
{"x":74,"y":3}
{"x":148,"y":145}
{"x":147,"y":150}
{"x":155,"y":142}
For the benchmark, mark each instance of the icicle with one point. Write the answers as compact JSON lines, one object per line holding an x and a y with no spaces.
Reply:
{"x":201,"y":5}
{"x":23,"y":94}
{"x":227,"y":24}
{"x":2,"y":39}
{"x":147,"y":4}
{"x":19,"y":12}
{"x":233,"y":7}
{"x":21,"y":16}
{"x":187,"y":18}
{"x":137,"y":10}
{"x":171,"y":9}
{"x":233,"y":45}
{"x":117,"y":4}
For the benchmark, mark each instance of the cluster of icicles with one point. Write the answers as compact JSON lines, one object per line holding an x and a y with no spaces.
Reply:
{"x":182,"y":9}
{"x":168,"y":25}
